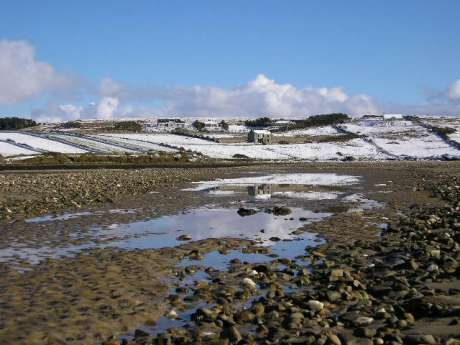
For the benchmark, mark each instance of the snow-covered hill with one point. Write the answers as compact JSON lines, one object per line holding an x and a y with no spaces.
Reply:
{"x":361,"y":139}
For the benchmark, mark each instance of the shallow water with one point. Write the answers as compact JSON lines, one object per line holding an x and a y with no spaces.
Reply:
{"x":302,"y":193}
{"x":199,"y":224}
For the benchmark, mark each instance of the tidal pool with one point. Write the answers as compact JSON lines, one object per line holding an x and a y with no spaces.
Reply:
{"x":197,"y":224}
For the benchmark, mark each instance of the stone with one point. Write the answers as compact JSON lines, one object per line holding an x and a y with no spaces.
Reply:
{"x":414,"y":339}
{"x":233,"y":334}
{"x":363,"y":320}
{"x":172,"y":314}
{"x":184,"y":238}
{"x":139,"y":333}
{"x":249,"y":283}
{"x":365,"y":332}
{"x":315,"y":305}
{"x":333,"y":339}
{"x":281,"y":211}
{"x":244,"y":212}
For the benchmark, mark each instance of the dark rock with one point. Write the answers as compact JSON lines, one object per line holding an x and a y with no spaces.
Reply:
{"x":243,"y":212}
{"x":281,"y":211}
{"x":184,"y":238}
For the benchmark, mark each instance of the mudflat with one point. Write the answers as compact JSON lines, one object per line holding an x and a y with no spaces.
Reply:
{"x":354,"y":252}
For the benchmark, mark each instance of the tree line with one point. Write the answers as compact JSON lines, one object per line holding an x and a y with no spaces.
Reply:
{"x":15,"y":123}
{"x":311,"y":121}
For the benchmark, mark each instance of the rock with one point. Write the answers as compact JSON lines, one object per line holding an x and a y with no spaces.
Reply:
{"x":333,"y":296}
{"x":432,"y":268}
{"x":233,"y":334}
{"x":333,"y":339}
{"x":172,"y":314}
{"x":363,"y":321}
{"x":335,"y":274}
{"x":195,"y":255}
{"x":184,"y":238}
{"x":315,"y":305}
{"x":275,"y":239}
{"x":414,"y":339}
{"x":243,"y":212}
{"x":365,"y":332}
{"x":139,"y":333}
{"x":281,"y":211}
{"x":249,"y":283}
{"x":112,"y":341}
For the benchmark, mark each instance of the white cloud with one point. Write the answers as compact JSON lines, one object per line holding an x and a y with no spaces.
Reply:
{"x":453,"y":92}
{"x":22,"y":76}
{"x":261,"y":96}
{"x":107,"y":108}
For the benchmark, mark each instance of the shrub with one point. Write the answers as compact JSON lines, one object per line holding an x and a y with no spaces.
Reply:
{"x":321,"y":120}
{"x":131,"y":126}
{"x":71,"y":124}
{"x":14,"y":123}
{"x":223,"y":125}
{"x":260,"y":122}
{"x":199,"y":126}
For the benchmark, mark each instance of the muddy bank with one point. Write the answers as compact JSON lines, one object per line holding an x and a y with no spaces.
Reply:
{"x":85,"y":298}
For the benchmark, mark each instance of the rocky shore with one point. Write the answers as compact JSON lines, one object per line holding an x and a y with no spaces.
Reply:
{"x":399,"y":287}
{"x":31,"y":194}
{"x":402,"y":289}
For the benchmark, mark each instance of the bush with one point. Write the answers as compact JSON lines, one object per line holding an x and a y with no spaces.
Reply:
{"x":14,"y":123}
{"x":321,"y":120}
{"x":199,"y":126}
{"x":260,"y":122}
{"x":223,"y":125}
{"x":131,"y":126}
{"x":71,"y":124}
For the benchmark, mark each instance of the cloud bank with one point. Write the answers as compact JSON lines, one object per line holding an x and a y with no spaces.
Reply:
{"x":23,"y":77}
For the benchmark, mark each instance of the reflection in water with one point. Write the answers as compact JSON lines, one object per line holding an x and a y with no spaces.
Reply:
{"x":310,"y":179}
{"x":199,"y":224}
{"x":260,"y":191}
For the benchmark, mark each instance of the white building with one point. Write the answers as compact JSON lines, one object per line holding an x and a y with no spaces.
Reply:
{"x":393,"y":116}
{"x":260,"y":136}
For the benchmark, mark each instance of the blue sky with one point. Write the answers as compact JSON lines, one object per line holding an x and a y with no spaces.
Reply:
{"x":395,"y":52}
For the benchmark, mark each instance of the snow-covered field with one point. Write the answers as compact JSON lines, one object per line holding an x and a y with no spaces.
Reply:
{"x":8,"y":150}
{"x":379,"y":127}
{"x":357,"y":148}
{"x":402,"y":138}
{"x":315,"y":131}
{"x":39,"y":143}
{"x":91,"y":144}
{"x":428,"y":146}
{"x":144,"y":145}
{"x":169,"y":139}
{"x":453,"y":123}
